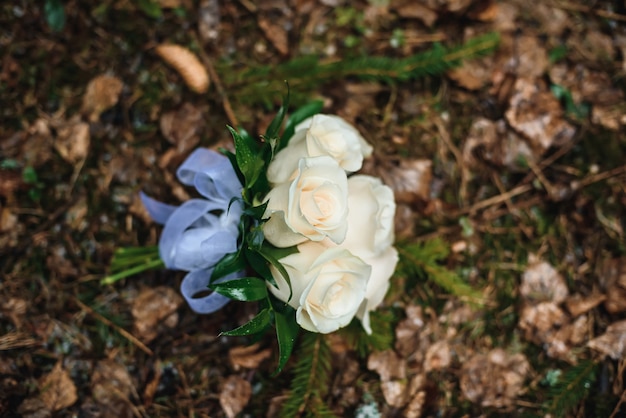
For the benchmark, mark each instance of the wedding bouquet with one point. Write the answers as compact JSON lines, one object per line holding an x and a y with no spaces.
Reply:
{"x":284,"y":221}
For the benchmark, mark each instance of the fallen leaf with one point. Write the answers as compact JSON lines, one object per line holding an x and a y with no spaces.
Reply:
{"x":613,"y":342}
{"x":57,"y":389}
{"x":415,"y":10}
{"x":235,"y":395}
{"x":578,"y":305}
{"x":410,"y":180}
{"x":249,"y":356}
{"x":183,"y":127}
{"x":438,"y":356}
{"x":101,"y":94}
{"x":187,"y":65}
{"x":276,"y":34}
{"x":72,"y":140}
{"x":536,"y":114}
{"x":155,"y":309}
{"x":541,"y":283}
{"x":111,"y":388}
{"x":492,"y":142}
{"x":394,"y":392}
{"x":34,"y":408}
{"x":388,"y":364}
{"x":612,"y":276}
{"x":495,"y":379}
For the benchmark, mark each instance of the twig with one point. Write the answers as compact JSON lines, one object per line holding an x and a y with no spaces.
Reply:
{"x":215,"y":78}
{"x":445,"y":137}
{"x":602,"y":176}
{"x":130,"y":337}
{"x":565,"y":5}
{"x":622,"y":399}
{"x":494,"y":200}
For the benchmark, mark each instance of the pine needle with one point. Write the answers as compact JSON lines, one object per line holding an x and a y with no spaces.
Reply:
{"x":307,"y":73}
{"x":572,"y":388}
{"x":311,"y":379}
{"x":425,"y":258}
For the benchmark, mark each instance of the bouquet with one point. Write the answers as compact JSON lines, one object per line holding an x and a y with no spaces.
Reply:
{"x":286,"y":221}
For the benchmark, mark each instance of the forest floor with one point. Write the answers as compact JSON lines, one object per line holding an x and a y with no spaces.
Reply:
{"x":508,"y":169}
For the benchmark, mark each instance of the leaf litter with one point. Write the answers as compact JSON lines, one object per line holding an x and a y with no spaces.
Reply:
{"x":472,"y":156}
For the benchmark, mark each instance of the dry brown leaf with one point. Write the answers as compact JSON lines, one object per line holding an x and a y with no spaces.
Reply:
{"x":613,"y":342}
{"x":394,"y":392}
{"x":554,"y":21}
{"x":542,"y":283}
{"x":155,"y":309}
{"x":410,"y":180}
{"x":438,"y":356}
{"x":415,"y":10}
{"x":183,"y":127}
{"x":111,"y":388}
{"x":536,"y":114}
{"x":612,"y":276}
{"x":72,"y":140}
{"x":34,"y":408}
{"x":235,"y":395}
{"x":473,"y":74}
{"x":248,"y":356}
{"x":57,"y":389}
{"x":101,"y":94}
{"x":492,"y":142}
{"x":276,"y":34}
{"x":187,"y":65}
{"x":388,"y":364}
{"x":578,"y":305}
{"x":495,"y":379}
{"x":407,"y":331}
{"x":415,"y":407}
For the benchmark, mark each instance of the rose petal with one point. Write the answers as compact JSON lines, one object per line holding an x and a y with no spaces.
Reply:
{"x":158,"y":211}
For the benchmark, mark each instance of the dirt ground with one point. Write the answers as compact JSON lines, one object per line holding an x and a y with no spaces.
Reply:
{"x":508,"y":170}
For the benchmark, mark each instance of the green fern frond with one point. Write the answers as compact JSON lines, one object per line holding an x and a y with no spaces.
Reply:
{"x":572,"y":388}
{"x":306,"y":73}
{"x":311,"y":379}
{"x":425,"y":257}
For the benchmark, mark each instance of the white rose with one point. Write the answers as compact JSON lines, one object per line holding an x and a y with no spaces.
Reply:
{"x":372,"y":210}
{"x":312,"y":206}
{"x":383,"y":267}
{"x":316,"y":136}
{"x":328,"y":285}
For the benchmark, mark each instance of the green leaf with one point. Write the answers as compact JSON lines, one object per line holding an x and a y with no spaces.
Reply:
{"x":267,"y":254}
{"x":259,"y":264}
{"x":256,"y":212}
{"x":286,"y":332}
{"x":247,"y":289}
{"x":150,"y":8}
{"x":296,"y":117}
{"x":29,"y":175}
{"x":255,"y":238}
{"x":248,"y":156}
{"x":257,"y":325}
{"x":55,"y":14}
{"x":233,"y":161}
{"x":229,"y":264}
{"x":272,"y":130}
